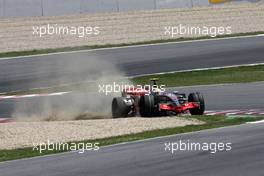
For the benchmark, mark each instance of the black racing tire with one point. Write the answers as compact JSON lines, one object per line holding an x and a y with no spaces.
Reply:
{"x":119,"y":108}
{"x":147,"y":106}
{"x":197,"y":98}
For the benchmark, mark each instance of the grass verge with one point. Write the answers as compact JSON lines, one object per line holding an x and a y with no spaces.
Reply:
{"x":79,"y":48}
{"x":210,"y":122}
{"x":243,"y":74}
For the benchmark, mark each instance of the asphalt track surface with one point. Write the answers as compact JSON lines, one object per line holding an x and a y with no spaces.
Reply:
{"x":150,"y":158}
{"x":49,"y":70}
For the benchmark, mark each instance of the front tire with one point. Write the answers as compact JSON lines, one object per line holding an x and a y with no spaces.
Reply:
{"x":197,"y":98}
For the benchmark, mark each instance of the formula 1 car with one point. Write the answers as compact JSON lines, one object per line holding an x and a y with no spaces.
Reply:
{"x":149,"y":103}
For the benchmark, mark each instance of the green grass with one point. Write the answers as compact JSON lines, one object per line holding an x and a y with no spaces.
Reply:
{"x":78,"y":48}
{"x":210,"y":122}
{"x":243,"y":74}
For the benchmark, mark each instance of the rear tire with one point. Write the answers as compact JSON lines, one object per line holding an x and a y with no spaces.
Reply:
{"x":119,"y":108}
{"x":197,"y":98}
{"x":147,"y":106}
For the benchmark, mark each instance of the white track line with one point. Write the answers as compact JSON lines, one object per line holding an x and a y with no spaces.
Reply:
{"x":255,"y":112}
{"x":256,"y":122}
{"x":32,"y":95}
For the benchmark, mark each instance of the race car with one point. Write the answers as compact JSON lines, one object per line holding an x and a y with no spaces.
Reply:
{"x":149,"y":103}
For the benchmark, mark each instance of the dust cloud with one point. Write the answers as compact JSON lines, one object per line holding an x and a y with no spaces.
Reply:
{"x":88,"y":103}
